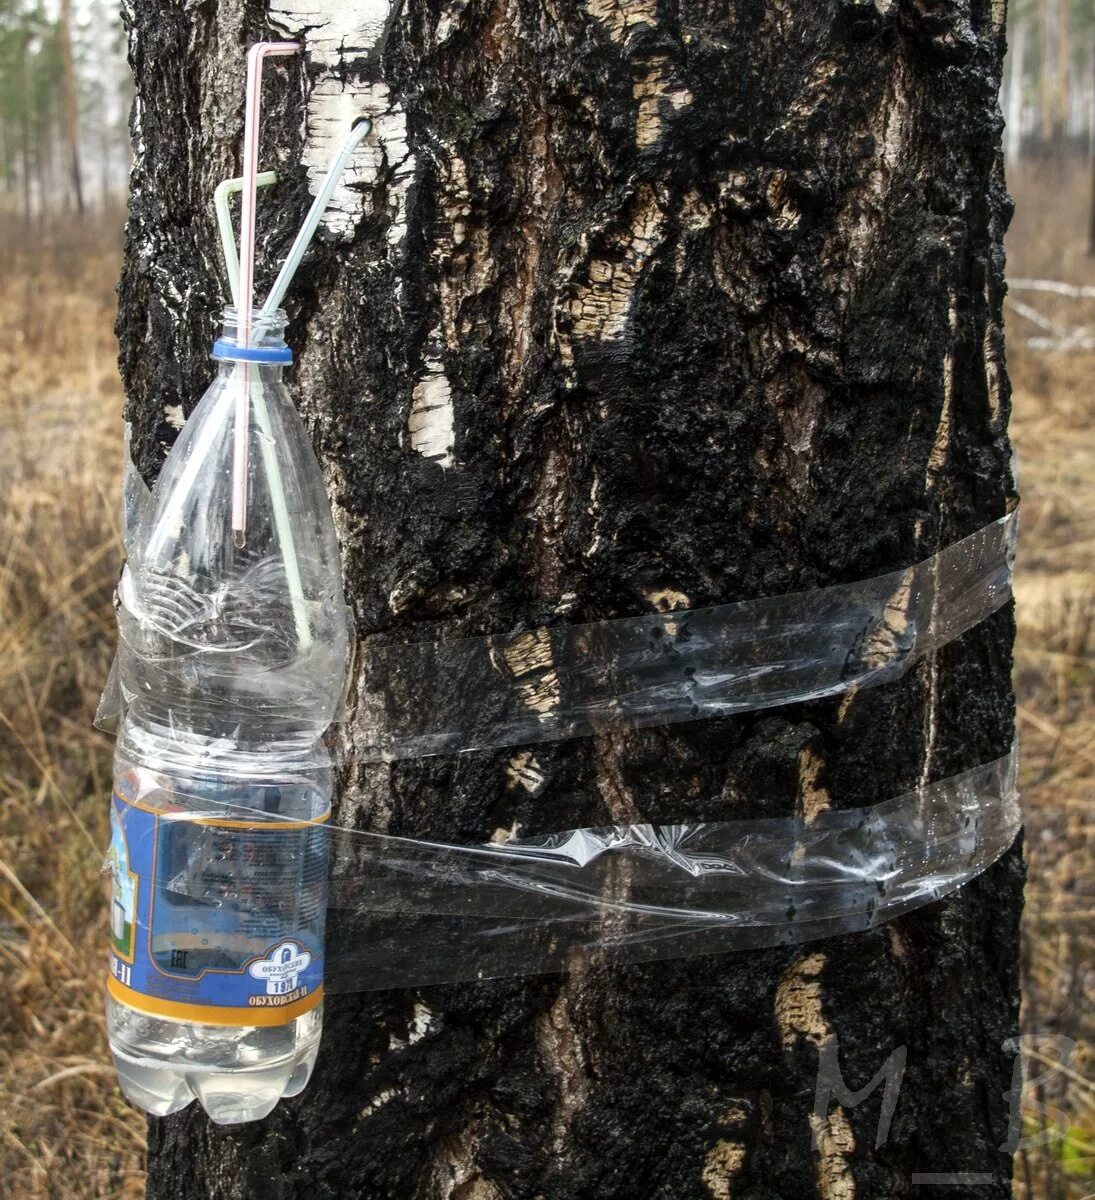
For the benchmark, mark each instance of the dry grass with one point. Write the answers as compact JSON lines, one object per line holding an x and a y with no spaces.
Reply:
{"x":65,"y":1131}
{"x":1055,"y":684}
{"x":1053,"y":428}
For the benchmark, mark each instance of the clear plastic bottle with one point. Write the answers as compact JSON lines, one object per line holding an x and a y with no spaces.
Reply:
{"x":232,"y":665}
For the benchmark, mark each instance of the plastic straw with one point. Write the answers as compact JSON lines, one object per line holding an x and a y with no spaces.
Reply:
{"x":252,"y":108}
{"x":222,"y":198}
{"x":315,"y":213}
{"x":282,"y":523}
{"x":252,"y":111}
{"x":285,"y":277}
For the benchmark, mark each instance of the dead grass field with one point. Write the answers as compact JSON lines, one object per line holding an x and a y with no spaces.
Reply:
{"x":65,"y":1131}
{"x":1053,"y":429}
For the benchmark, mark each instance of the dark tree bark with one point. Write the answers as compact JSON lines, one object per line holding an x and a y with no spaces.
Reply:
{"x":646,"y":303}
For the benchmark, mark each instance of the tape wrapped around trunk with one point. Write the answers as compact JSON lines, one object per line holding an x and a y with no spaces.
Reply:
{"x":406,"y":912}
{"x":411,"y":700}
{"x":565,"y":681}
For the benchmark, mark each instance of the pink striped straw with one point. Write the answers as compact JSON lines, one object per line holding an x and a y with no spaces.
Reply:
{"x":258,"y":53}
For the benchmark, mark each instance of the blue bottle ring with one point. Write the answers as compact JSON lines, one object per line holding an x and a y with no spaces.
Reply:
{"x":227,"y":351}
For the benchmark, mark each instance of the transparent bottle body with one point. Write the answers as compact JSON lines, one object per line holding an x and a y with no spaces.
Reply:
{"x":238,"y":1073}
{"x":232,"y":662}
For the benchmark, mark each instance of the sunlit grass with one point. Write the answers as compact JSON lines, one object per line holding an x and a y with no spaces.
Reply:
{"x":1053,"y":428}
{"x":65,"y":1130}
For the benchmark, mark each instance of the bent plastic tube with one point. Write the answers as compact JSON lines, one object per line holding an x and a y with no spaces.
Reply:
{"x":222,"y":198}
{"x":252,"y":110}
{"x":311,"y":221}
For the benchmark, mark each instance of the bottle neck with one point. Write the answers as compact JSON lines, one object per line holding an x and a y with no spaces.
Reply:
{"x":262,"y":354}
{"x":249,"y":372}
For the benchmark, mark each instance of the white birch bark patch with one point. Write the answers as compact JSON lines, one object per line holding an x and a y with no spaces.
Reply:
{"x":346,"y":42}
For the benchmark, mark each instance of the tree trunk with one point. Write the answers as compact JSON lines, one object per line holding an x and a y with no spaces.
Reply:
{"x":43,"y":163}
{"x":1016,"y":71}
{"x":630,"y":303}
{"x":106,"y":147}
{"x":1063,"y":71}
{"x":1091,"y":161}
{"x":24,"y":129}
{"x":70,"y":108}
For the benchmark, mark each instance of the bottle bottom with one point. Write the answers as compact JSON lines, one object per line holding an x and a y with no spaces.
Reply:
{"x":237,"y":1075}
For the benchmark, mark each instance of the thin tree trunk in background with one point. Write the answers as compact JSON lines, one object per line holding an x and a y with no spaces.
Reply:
{"x":1063,"y":71}
{"x":706,"y":298}
{"x":1091,"y":158}
{"x":24,"y":121}
{"x":70,"y":114}
{"x":106,"y":148}
{"x":43,"y":163}
{"x":55,"y":191}
{"x":1016,"y":67}
{"x":1049,"y":82}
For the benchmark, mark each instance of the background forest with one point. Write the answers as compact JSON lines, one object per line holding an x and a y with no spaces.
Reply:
{"x":65,"y":1130}
{"x":64,"y":103}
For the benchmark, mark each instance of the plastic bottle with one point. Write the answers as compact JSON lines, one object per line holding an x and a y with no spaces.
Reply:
{"x":232,"y":666}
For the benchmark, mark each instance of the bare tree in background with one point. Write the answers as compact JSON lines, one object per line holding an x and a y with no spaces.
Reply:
{"x":62,"y":74}
{"x":633,"y":304}
{"x":1050,"y":86}
{"x":70,"y":114}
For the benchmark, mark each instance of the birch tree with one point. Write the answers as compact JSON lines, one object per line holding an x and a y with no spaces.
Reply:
{"x":626,"y":305}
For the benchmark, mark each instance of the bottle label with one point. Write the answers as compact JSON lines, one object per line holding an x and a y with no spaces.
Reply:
{"x":214,"y":920}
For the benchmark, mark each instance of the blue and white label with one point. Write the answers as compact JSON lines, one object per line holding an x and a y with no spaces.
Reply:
{"x":212,"y":919}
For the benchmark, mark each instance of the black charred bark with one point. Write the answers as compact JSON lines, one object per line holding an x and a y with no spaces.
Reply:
{"x":714,"y":290}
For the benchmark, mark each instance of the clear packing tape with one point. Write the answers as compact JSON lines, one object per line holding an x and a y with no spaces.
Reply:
{"x":568,"y":681}
{"x":410,"y":700}
{"x":402,"y":912}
